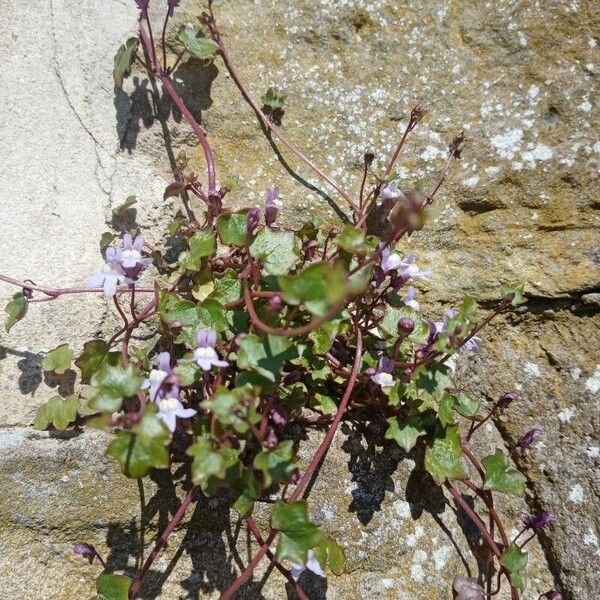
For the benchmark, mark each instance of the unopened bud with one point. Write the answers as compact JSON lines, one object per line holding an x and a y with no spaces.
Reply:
{"x":539,"y":522}
{"x":176,"y":327}
{"x":552,"y":595}
{"x":274,"y":305}
{"x":417,"y":113}
{"x":369,"y":157}
{"x":86,"y":550}
{"x":292,"y":377}
{"x":271,"y":440}
{"x":455,"y":148}
{"x":405,"y":326}
{"x":406,"y":374}
{"x":506,"y":399}
{"x":252,"y":220}
{"x":295,"y":477}
{"x":529,"y":438}
{"x":334,"y":232}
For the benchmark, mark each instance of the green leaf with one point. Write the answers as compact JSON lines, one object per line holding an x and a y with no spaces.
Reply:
{"x":228,"y":287}
{"x":352,"y":239}
{"x":248,"y":491}
{"x":106,"y":239}
{"x":326,"y":404}
{"x":443,"y":459}
{"x":58,"y":360}
{"x":500,"y":477}
{"x":112,"y":587}
{"x":324,"y":336}
{"x":201,"y":244}
{"x":233,"y":408}
{"x":445,"y":414}
{"x":123,"y":60}
{"x":405,"y":431}
{"x":188,"y":373}
{"x":137,"y":454}
{"x":330,"y":554}
{"x":208,"y":461}
{"x":389,"y":324}
{"x":197,"y":45}
{"x":59,"y":411}
{"x":96,"y":353}
{"x":276,"y":465}
{"x":273,"y":98}
{"x":265,"y":356}
{"x":277,"y":250}
{"x":468,"y":309}
{"x":318,"y":287}
{"x":515,"y":561}
{"x":431,"y":384}
{"x":211,"y":315}
{"x":298,"y":534}
{"x":15,"y":310}
{"x":112,"y":385}
{"x":151,"y":428}
{"x":466,"y":406}
{"x":233,"y":229}
{"x":514,"y":293}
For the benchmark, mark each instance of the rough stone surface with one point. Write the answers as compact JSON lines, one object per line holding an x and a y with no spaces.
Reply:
{"x":519,"y":77}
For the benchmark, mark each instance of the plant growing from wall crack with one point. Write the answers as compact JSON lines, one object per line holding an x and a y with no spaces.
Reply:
{"x":259,"y":326}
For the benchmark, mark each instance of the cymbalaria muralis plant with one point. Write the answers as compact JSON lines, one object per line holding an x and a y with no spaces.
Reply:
{"x":259,"y":326}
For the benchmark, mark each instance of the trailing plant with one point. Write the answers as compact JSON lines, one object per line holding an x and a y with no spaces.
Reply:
{"x":259,"y":325}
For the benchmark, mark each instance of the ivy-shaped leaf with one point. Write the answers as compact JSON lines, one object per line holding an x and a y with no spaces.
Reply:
{"x":466,"y":406}
{"x":298,"y":534}
{"x":233,"y":228}
{"x":277,"y":464}
{"x":443,"y":459}
{"x":273,"y":99}
{"x":228,"y":287}
{"x":208,"y":461}
{"x":500,"y":477}
{"x":277,"y":250}
{"x":265,"y":356}
{"x":389,"y":324}
{"x":515,"y":561}
{"x":324,"y":336}
{"x":197,"y":45}
{"x":112,"y":385}
{"x":201,"y":244}
{"x":514,"y":292}
{"x":15,"y":310}
{"x":406,"y":432}
{"x":58,"y":360}
{"x":174,"y":189}
{"x":331,"y":555}
{"x":96,"y":353}
{"x":233,"y":408}
{"x":59,"y":411}
{"x":112,"y":587}
{"x":318,"y":287}
{"x":123,"y":60}
{"x":351,"y":239}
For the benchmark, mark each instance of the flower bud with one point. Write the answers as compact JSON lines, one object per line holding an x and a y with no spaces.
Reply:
{"x":405,"y":326}
{"x":406,"y":374}
{"x":252,"y":220}
{"x":274,"y":305}
{"x":529,"y":438}
{"x":272,"y":205}
{"x":292,"y":377}
{"x":539,"y":522}
{"x":271,"y":440}
{"x":295,"y":476}
{"x":552,"y":595}
{"x":417,"y":113}
{"x":86,"y":550}
{"x":506,"y":399}
{"x":176,"y":327}
{"x":369,"y":157}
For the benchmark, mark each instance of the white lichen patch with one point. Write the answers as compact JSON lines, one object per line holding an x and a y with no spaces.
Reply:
{"x":593,"y":383}
{"x":507,"y":143}
{"x":576,"y":494}
{"x":532,"y":369}
{"x":566,"y":414}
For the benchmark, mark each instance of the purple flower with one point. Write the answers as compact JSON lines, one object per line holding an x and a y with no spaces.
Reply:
{"x":405,"y":326}
{"x":383,"y":376}
{"x":312,"y":564}
{"x":156,"y":378}
{"x":128,"y":258}
{"x":467,"y":588}
{"x":529,"y":438}
{"x":205,"y":355}
{"x":472,"y":343}
{"x":552,"y":595}
{"x":169,"y":409}
{"x":272,"y":205}
{"x":86,"y":550}
{"x":109,"y":279}
{"x":409,"y":299}
{"x":410,"y":270}
{"x":173,"y":4}
{"x":539,"y":522}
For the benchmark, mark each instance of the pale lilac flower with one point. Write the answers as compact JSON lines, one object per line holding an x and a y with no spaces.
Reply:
{"x":86,"y":550}
{"x":109,"y":279}
{"x":312,"y":564}
{"x":409,"y":299}
{"x":383,"y":376}
{"x":410,"y":270}
{"x":389,"y":192}
{"x":552,"y":595}
{"x":157,"y":376}
{"x":128,"y":257}
{"x":390,"y":261}
{"x":472,"y":344}
{"x":506,"y":399}
{"x":467,"y":588}
{"x":169,"y":409}
{"x":539,"y":522}
{"x":205,"y":355}
{"x":272,"y":204}
{"x":252,"y":220}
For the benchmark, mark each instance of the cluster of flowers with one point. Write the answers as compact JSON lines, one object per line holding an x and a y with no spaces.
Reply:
{"x":163,"y":385}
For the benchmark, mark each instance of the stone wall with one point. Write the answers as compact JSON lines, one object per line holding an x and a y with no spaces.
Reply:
{"x":520,"y":77}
